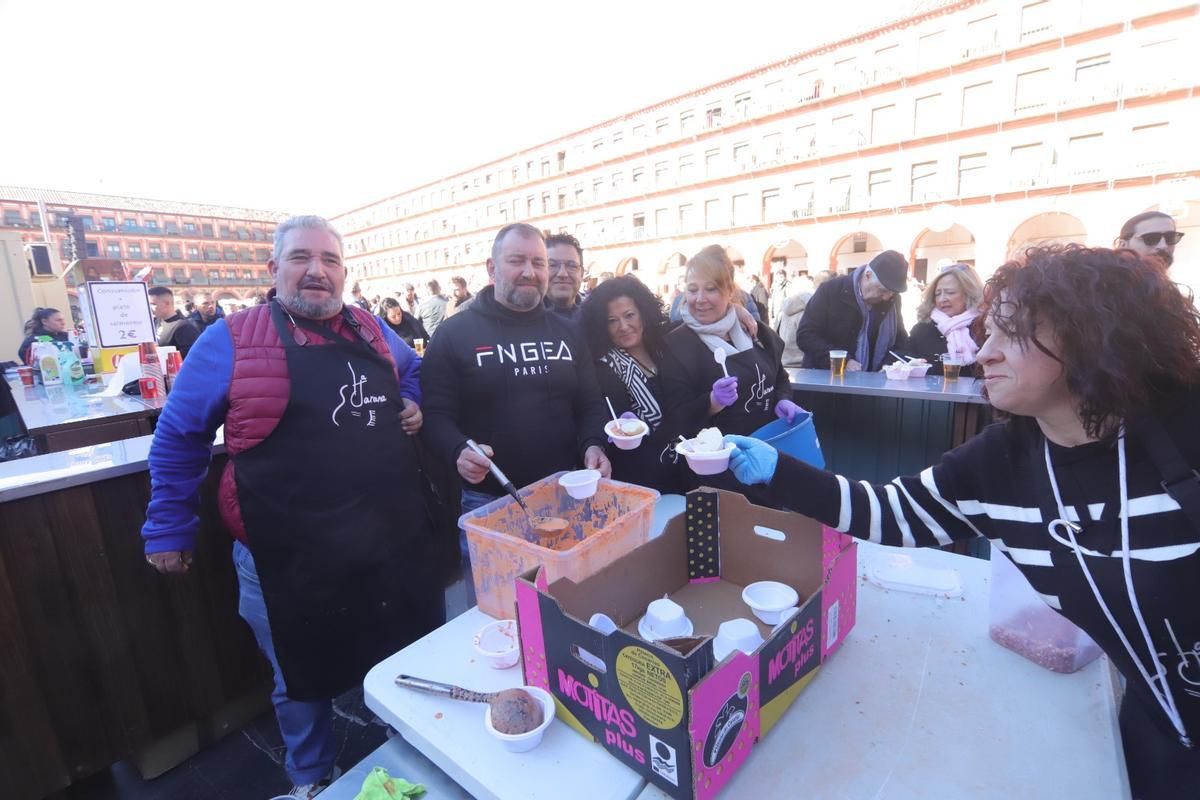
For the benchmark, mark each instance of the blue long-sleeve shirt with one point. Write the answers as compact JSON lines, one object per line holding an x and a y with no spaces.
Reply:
{"x":196,"y":407}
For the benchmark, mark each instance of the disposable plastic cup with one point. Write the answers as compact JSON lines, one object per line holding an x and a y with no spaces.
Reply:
{"x":666,"y":617}
{"x":522,"y":742}
{"x":736,"y":634}
{"x":706,"y":463}
{"x":951,"y":366}
{"x":770,"y":599}
{"x":837,"y":362}
{"x":623,"y":440}
{"x":580,"y":484}
{"x":497,"y":643}
{"x":918,"y":370}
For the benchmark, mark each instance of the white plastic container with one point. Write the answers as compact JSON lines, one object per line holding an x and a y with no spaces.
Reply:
{"x":497,"y":643}
{"x":897,"y":371}
{"x":736,"y":634}
{"x":622,"y":438}
{"x":712,"y":462}
{"x":580,"y":484}
{"x":522,"y":742}
{"x":1020,"y":620}
{"x":664,"y":619}
{"x":770,"y":599}
{"x":918,"y":370}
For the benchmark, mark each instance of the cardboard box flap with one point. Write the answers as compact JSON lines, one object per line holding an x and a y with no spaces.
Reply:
{"x":782,"y":541}
{"x":659,"y":562}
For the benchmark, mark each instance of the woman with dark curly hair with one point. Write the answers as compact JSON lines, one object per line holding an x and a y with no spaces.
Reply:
{"x":1089,"y":486}
{"x":623,"y":322}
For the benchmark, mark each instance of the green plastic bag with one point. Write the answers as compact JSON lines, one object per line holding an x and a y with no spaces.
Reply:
{"x":381,"y":786}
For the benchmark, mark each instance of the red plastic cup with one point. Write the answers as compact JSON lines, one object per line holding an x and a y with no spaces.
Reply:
{"x":26,"y":375}
{"x":149,"y":388}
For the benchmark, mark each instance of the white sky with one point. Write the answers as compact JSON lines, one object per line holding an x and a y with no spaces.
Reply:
{"x":320,"y":107}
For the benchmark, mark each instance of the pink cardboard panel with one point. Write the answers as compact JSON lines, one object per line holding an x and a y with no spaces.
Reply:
{"x":839,"y":598}
{"x":723,"y":724}
{"x":533,"y":642}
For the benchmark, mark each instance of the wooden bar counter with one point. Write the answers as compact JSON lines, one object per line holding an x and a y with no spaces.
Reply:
{"x":102,"y":658}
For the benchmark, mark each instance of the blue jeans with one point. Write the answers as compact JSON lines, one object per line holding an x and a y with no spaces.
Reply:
{"x":307,"y":727}
{"x":471,"y":500}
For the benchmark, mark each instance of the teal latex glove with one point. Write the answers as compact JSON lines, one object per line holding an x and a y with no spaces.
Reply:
{"x":753,"y":461}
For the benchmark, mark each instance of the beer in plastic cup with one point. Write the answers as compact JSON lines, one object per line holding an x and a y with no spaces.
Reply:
{"x":837,"y":363}
{"x":419,"y":346}
{"x":951,"y":366}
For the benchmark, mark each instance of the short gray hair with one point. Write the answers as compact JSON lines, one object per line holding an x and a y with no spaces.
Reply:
{"x":522,"y":229}
{"x":309,"y":221}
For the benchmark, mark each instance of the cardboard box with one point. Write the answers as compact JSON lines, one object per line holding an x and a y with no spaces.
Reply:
{"x":666,"y":709}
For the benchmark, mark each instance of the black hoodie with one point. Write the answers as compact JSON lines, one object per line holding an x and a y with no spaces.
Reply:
{"x":521,"y":382}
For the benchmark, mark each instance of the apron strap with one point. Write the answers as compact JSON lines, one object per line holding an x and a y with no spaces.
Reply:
{"x":362,"y":338}
{"x":1179,"y":480}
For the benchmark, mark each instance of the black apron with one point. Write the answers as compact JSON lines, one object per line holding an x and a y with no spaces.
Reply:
{"x":335,"y":517}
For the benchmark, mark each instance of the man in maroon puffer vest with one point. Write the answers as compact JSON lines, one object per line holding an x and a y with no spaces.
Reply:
{"x":321,"y":491}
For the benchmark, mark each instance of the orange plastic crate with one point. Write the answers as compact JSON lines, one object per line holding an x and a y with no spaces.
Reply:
{"x":599,"y":530}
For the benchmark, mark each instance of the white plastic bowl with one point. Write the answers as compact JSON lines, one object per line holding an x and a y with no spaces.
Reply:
{"x":712,"y":463}
{"x":897,"y":372}
{"x":736,"y":634}
{"x":918,"y":370}
{"x":580,"y":484}
{"x":522,"y":742}
{"x":770,"y":599}
{"x":497,"y":643}
{"x":625,"y":441}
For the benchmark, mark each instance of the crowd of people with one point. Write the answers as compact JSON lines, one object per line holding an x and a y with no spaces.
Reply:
{"x":334,"y":427}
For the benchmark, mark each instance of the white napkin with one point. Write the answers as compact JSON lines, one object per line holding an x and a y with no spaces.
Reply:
{"x":128,"y":369}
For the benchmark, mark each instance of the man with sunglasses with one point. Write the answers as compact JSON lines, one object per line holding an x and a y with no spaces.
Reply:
{"x":565,"y":258}
{"x":1151,"y":233}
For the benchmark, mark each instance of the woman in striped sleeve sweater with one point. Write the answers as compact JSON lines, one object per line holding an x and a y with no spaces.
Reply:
{"x":1087,"y":486}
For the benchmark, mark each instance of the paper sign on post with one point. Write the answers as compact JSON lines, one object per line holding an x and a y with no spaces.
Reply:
{"x":122,"y":312}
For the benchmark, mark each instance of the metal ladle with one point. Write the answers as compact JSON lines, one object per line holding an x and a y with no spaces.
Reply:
{"x":541,"y":526}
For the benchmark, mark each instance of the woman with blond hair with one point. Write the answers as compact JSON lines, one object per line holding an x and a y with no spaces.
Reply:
{"x":948,"y":320}
{"x":698,"y":393}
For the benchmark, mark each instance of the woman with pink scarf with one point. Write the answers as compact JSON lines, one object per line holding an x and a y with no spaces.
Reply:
{"x":946,"y":319}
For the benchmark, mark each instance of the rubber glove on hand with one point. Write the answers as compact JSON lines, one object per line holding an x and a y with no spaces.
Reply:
{"x":786,"y":409}
{"x":753,"y":460}
{"x":724,"y":391}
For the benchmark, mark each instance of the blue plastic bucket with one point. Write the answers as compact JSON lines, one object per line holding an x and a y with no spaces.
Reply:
{"x":798,"y":440}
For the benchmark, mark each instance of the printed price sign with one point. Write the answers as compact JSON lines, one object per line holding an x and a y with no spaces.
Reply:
{"x":122,"y":312}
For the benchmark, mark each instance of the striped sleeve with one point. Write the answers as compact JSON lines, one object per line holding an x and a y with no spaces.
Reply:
{"x":923,"y":510}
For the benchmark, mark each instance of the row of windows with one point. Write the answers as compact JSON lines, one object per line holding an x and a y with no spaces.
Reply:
{"x":1030,"y":163}
{"x":15,"y":218}
{"x":972,"y":34}
{"x":967,"y":175}
{"x":198,"y":277}
{"x":172,"y":252}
